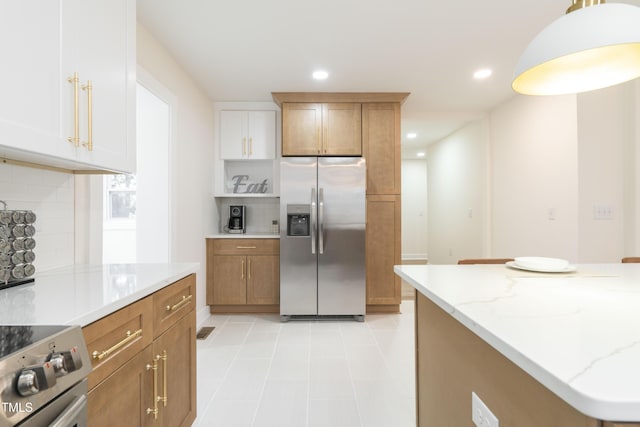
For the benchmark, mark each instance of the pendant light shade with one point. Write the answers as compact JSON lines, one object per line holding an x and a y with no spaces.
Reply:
{"x":587,"y":49}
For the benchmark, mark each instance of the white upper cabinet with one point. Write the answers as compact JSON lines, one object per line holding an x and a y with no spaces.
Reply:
{"x":247,"y":135}
{"x":49,"y":120}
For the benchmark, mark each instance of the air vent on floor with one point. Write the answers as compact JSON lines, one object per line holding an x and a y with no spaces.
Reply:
{"x":204,"y":332}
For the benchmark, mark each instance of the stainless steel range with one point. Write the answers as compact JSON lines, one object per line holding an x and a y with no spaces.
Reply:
{"x":43,"y":372}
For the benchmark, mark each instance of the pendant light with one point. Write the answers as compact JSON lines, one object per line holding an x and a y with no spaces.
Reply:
{"x":595,"y":45}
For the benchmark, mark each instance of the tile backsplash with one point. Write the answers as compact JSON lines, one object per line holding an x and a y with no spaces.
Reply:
{"x":260,"y":212}
{"x":50,"y":195}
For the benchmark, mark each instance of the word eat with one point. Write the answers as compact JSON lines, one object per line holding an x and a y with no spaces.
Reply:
{"x":239,"y":181}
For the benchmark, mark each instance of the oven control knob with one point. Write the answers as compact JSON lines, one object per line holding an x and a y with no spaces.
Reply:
{"x":65,"y":361}
{"x":34,"y":379}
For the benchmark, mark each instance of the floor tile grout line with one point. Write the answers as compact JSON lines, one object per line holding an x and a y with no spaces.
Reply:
{"x":233,"y":361}
{"x":353,"y":385}
{"x":264,"y":385}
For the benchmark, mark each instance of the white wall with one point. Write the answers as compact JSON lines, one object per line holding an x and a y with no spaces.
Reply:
{"x":192,"y":212}
{"x":414,"y":209}
{"x":458,"y":195}
{"x":534,"y":182}
{"x":551,"y":161}
{"x":605,"y":134}
{"x":51,"y":196}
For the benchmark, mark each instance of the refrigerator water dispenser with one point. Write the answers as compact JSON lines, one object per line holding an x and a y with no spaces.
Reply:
{"x":298,"y":218}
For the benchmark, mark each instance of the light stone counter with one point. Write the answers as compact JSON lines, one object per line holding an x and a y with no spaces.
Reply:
{"x":578,"y":334}
{"x":81,"y":294}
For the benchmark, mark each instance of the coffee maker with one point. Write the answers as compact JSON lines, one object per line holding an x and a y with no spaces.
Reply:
{"x":237,"y":219}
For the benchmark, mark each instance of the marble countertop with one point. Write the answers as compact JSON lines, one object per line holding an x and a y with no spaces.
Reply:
{"x":242,"y":236}
{"x":576,"y":333}
{"x":81,"y":294}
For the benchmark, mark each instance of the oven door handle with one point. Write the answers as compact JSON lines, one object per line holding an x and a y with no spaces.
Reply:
{"x":69,"y":416}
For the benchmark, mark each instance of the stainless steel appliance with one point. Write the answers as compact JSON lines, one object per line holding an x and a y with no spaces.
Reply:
{"x":322,"y":238}
{"x":43,"y":372}
{"x":237,"y":219}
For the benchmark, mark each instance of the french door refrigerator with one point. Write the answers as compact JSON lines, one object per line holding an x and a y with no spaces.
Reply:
{"x":322,"y":237}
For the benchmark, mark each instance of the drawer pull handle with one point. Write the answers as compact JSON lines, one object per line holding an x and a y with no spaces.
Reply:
{"x":246,"y":247}
{"x":184,"y":301}
{"x":99,"y":355}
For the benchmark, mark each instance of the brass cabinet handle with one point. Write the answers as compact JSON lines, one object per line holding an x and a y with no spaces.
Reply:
{"x":75,"y":139}
{"x":250,"y":146}
{"x":99,"y":355}
{"x":245,"y":247}
{"x":89,"y":88}
{"x":164,"y":396}
{"x":249,"y":270}
{"x":242,"y":270}
{"x":154,"y":367}
{"x":185,"y":300}
{"x":244,"y":146}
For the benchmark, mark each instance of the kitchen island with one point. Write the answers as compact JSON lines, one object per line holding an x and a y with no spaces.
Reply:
{"x":539,"y":349}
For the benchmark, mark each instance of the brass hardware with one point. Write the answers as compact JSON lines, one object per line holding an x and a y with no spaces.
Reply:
{"x":244,"y":146}
{"x":242,"y":271}
{"x":154,"y":367}
{"x":249,"y":270}
{"x":75,"y":139}
{"x":246,"y":247}
{"x":579,"y":4}
{"x":185,"y":300}
{"x":164,"y":397}
{"x":99,"y":355}
{"x":89,"y":88}
{"x":250,"y":146}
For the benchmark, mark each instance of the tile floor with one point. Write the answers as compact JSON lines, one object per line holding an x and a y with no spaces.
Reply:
{"x":254,"y":370}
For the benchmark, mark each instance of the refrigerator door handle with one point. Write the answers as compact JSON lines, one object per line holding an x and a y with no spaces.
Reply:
{"x":321,"y":220}
{"x":314,"y":225}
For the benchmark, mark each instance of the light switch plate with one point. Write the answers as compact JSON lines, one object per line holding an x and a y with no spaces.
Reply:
{"x":480,"y":413}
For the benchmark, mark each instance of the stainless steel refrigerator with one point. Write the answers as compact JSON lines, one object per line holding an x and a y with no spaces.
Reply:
{"x":322,"y":237}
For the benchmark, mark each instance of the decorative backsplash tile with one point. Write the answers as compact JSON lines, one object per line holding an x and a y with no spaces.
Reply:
{"x":50,"y":195}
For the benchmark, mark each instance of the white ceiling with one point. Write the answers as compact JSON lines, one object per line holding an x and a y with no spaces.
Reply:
{"x":242,"y":50}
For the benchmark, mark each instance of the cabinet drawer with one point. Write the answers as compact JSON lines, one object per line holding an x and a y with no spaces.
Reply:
{"x":116,"y":338}
{"x":246,"y":246}
{"x":172,"y":303}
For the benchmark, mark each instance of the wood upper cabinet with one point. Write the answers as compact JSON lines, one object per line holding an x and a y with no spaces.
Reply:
{"x":41,"y":108}
{"x":247,"y":135}
{"x":321,"y":129}
{"x":381,"y":142}
{"x":243,"y":272}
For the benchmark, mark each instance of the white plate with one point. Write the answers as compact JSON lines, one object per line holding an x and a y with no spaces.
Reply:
{"x":541,"y":263}
{"x":567,"y":269}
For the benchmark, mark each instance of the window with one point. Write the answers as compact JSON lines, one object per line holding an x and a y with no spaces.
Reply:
{"x":121,"y":196}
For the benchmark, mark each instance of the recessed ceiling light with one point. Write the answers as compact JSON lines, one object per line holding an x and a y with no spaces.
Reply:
{"x":320,"y":75}
{"x":420,"y":154}
{"x":482,"y":74}
{"x":412,"y":135}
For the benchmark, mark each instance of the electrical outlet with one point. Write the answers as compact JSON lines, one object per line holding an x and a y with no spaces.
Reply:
{"x":480,"y":414}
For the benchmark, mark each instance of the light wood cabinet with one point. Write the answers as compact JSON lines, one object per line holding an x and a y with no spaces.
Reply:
{"x":381,"y":142}
{"x":41,"y":109}
{"x":123,"y":398}
{"x":145,"y":376}
{"x":383,"y":248}
{"x":322,"y":129}
{"x":247,"y":135}
{"x":243,"y":275}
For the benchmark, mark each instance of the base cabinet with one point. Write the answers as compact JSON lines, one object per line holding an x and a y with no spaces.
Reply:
{"x":243,"y":275}
{"x":155,"y":385}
